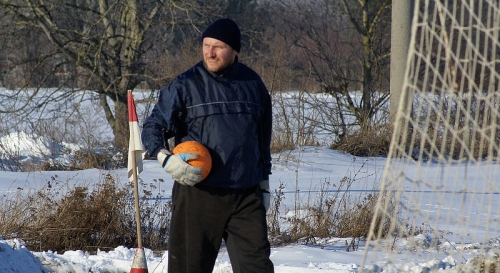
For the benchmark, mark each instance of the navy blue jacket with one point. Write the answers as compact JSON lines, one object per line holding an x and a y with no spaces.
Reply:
{"x":230,"y":114}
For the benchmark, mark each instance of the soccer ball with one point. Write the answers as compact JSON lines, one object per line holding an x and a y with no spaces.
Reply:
{"x":204,"y":159}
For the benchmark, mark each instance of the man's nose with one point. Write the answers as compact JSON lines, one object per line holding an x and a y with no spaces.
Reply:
{"x":211,"y":52}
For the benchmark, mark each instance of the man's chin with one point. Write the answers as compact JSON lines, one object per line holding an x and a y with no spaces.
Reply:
{"x":213,"y":67}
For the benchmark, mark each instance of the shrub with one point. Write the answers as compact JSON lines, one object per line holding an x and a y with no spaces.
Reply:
{"x":372,"y":141}
{"x":58,"y":219}
{"x":330,"y":211}
{"x":101,"y":215}
{"x":85,"y":159}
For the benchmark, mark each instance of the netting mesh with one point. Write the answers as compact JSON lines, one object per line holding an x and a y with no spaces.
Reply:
{"x":441,"y":184}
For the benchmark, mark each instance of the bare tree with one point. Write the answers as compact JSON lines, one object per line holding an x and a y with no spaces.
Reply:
{"x":105,"y":47}
{"x":371,"y":22}
{"x":344,"y":45}
{"x":92,"y":45}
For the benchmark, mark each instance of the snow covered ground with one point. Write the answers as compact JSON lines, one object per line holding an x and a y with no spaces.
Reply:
{"x":307,"y":165}
{"x":313,"y":165}
{"x":302,"y":170}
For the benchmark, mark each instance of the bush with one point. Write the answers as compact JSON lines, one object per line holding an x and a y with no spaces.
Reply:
{"x":330,"y":211}
{"x":89,"y":159}
{"x":372,"y":141}
{"x":103,"y":217}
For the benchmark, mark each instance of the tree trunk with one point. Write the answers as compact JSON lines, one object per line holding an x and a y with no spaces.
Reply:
{"x":121,"y":130}
{"x":117,"y":119}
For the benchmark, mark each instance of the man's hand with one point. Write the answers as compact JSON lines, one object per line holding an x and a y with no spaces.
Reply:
{"x":266,"y":200}
{"x":181,"y":171}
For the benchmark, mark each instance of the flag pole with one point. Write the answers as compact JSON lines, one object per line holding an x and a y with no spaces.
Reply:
{"x":136,"y":197}
{"x":137,"y":214}
{"x":139,"y":264}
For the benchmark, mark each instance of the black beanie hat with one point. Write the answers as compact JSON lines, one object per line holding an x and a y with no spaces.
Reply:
{"x":224,"y":30}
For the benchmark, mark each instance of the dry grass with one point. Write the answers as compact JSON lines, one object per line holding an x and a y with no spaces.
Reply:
{"x":83,"y":160}
{"x":481,"y":265}
{"x":461,"y":129}
{"x":79,"y":160}
{"x":330,"y":211}
{"x":373,"y":141}
{"x":59,"y":217}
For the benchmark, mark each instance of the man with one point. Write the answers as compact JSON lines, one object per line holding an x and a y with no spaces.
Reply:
{"x":224,"y":105}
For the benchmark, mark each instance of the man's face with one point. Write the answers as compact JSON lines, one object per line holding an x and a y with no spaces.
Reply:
{"x":217,"y":54}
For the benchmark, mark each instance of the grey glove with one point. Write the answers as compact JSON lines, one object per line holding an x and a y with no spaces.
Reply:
{"x":266,"y":200}
{"x":177,"y":166}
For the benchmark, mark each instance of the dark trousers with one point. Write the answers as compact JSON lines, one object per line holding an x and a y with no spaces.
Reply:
{"x":202,"y":217}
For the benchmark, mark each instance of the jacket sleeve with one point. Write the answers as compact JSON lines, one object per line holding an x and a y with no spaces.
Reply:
{"x":159,"y":126}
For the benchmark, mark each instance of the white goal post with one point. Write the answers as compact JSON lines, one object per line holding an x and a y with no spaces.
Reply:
{"x":440,"y":190}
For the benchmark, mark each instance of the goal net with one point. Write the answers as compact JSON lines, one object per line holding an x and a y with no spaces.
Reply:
{"x":440,"y":190}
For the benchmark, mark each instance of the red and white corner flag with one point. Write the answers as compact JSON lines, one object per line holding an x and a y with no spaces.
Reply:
{"x":135,"y":156}
{"x":135,"y":147}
